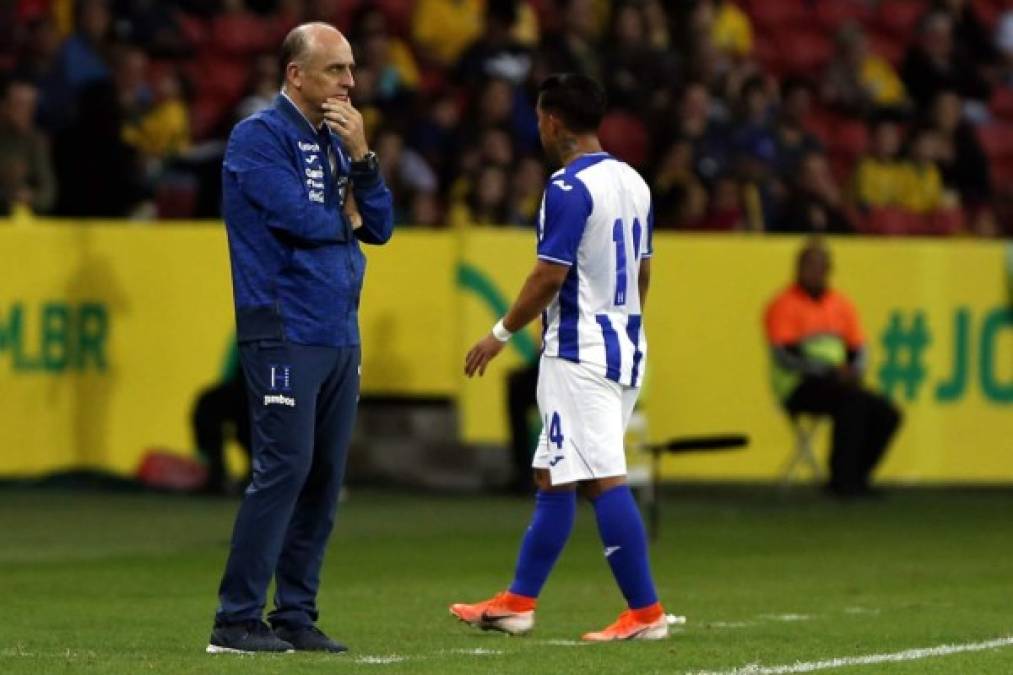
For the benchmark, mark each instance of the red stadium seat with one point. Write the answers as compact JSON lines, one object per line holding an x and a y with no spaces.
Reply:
{"x":773,"y":15}
{"x":195,"y":30}
{"x":176,"y":199}
{"x":832,"y":14}
{"x":848,"y":137}
{"x":945,"y":222}
{"x":768,"y":53}
{"x":888,"y":46}
{"x":625,"y":136}
{"x":996,"y":140}
{"x":1002,"y":103}
{"x":399,"y":15}
{"x":806,"y":52}
{"x":990,"y":11}
{"x":900,"y":16}
{"x":890,"y":221}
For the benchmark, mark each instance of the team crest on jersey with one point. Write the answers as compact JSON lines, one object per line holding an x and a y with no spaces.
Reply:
{"x":280,"y":378}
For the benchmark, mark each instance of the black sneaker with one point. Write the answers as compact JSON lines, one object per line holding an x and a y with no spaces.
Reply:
{"x":308,"y":639}
{"x":245,"y":638}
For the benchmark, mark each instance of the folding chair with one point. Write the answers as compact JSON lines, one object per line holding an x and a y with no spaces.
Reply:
{"x":804,"y":428}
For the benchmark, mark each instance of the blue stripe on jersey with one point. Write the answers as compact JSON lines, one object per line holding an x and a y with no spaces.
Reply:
{"x":569,"y":316}
{"x":636,"y":238}
{"x":633,"y":332}
{"x":613,"y":357}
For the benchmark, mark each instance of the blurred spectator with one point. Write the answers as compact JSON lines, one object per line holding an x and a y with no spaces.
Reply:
{"x":814,"y":204}
{"x":926,"y":193}
{"x":754,"y":148}
{"x":961,"y":160}
{"x":818,"y":358}
{"x":858,"y":81}
{"x":709,"y":137}
{"x":437,"y":135}
{"x":153,"y":24}
{"x":26,"y":174}
{"x":526,"y":186}
{"x":114,"y":183}
{"x":635,"y":69}
{"x":36,"y":58}
{"x":496,"y":53}
{"x":485,"y":202}
{"x":264,"y":85}
{"x":731,"y":31}
{"x":425,"y":210}
{"x":404,"y":170}
{"x":882,"y":178}
{"x":443,"y":29}
{"x":1004,"y":46}
{"x":162,"y":131}
{"x":793,"y":139}
{"x":727,"y":209}
{"x":933,"y":64}
{"x":575,"y":48}
{"x":680,"y":198}
{"x":501,"y":106}
{"x":970,"y":37}
{"x":83,"y":59}
{"x":397,"y":74}
{"x":753,"y":135}
{"x":130,"y":76}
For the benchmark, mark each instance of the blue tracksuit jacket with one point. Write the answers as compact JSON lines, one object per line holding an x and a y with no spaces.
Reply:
{"x":296,"y":264}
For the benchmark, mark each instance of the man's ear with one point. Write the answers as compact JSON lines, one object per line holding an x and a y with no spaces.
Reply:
{"x":293,"y":74}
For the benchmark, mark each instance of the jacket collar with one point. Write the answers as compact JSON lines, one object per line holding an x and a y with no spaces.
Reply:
{"x":287,"y":107}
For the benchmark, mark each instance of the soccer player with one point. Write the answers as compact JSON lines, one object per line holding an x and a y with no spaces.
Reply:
{"x":589,"y":284}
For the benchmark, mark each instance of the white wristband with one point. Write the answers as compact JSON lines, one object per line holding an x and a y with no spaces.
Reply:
{"x":500,"y":332}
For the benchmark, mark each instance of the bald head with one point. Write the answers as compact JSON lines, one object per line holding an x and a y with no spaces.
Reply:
{"x":316,"y":63}
{"x":302,"y":39}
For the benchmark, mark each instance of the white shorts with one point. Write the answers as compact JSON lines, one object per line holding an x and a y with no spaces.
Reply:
{"x":584,"y":418}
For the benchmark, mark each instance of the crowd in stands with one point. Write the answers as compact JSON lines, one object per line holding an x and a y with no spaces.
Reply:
{"x":838,"y":116}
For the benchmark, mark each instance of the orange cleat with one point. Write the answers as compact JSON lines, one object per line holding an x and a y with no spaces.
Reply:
{"x":506,"y":612}
{"x":648,"y":623}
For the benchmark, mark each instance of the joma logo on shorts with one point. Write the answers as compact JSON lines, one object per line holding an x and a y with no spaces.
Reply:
{"x":278,"y":399}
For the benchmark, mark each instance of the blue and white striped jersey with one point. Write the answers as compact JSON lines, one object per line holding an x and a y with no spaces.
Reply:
{"x":596,"y":217}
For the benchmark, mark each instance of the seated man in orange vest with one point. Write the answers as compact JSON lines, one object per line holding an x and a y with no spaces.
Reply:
{"x":818,"y":359}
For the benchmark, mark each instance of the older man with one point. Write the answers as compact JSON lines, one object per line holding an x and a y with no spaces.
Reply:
{"x":300,"y":191}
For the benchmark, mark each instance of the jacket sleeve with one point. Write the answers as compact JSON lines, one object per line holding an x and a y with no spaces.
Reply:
{"x":268,"y":178}
{"x":376,"y":207}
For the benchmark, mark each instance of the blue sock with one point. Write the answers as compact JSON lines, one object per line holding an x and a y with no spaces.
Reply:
{"x":544,"y":541}
{"x":622,"y":533}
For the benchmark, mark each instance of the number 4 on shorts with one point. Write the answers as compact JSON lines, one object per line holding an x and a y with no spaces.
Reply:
{"x":556,"y":431}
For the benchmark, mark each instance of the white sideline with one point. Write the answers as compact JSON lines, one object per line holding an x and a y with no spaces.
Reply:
{"x":906,"y":655}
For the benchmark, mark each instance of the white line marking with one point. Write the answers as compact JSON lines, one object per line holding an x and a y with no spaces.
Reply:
{"x":907,"y":655}
{"x":476,"y":652}
{"x":730,"y":624}
{"x":860,"y":610}
{"x":786,"y":617}
{"x":564,"y":643}
{"x":381,"y":660}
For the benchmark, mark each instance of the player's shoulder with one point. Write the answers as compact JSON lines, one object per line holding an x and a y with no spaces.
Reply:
{"x":840,"y":300}
{"x":786,"y":300}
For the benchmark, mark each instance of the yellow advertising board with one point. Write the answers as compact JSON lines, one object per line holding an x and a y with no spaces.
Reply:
{"x":108,"y":331}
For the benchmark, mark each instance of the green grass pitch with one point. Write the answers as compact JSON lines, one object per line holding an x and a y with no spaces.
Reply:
{"x":125,"y":583}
